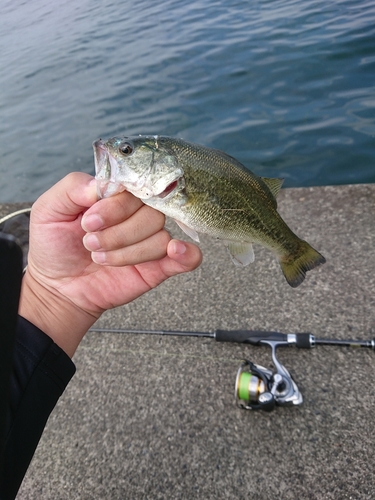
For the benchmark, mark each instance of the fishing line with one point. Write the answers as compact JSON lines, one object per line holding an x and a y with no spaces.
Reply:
{"x":14,"y":214}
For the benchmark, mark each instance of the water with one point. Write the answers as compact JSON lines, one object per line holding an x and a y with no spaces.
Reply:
{"x":287,"y":87}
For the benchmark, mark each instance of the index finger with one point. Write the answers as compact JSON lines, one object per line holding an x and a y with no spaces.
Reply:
{"x":110,"y":211}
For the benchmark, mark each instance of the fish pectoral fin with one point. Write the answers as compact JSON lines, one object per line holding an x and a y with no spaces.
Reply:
{"x":188,"y":230}
{"x":241,"y":252}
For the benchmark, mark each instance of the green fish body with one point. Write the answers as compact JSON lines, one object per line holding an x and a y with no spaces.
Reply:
{"x":205,"y":191}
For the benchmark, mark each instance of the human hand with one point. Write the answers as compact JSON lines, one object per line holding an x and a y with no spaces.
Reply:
{"x":87,"y":256}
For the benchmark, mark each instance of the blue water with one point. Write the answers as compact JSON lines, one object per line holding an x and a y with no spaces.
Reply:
{"x":285,"y":86}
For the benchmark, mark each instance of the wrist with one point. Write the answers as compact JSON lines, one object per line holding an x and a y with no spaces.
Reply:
{"x":54,"y":314}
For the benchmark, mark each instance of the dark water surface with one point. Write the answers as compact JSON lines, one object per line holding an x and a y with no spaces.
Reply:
{"x":287,"y":87}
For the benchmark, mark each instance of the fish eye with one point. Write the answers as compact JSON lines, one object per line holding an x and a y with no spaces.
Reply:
{"x":126,"y":149}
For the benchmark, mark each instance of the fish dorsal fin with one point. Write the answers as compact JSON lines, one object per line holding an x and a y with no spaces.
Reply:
{"x":241,"y":252}
{"x":274,"y":185}
{"x":188,"y":230}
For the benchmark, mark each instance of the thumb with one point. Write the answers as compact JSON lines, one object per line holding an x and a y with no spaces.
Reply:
{"x":181,"y":257}
{"x":65,"y":200}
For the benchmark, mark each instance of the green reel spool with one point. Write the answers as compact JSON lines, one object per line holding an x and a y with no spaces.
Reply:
{"x":248,"y":386}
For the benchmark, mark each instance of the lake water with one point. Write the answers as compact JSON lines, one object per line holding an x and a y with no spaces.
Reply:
{"x":285,"y":86}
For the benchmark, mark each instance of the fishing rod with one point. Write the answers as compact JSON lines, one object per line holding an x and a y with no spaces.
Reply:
{"x":257,"y":387}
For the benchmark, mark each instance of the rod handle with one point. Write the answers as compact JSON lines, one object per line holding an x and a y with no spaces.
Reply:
{"x":253,"y":337}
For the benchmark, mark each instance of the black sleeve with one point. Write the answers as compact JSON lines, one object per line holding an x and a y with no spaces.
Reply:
{"x":41,"y":371}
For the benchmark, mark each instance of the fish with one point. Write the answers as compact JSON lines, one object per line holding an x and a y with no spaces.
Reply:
{"x":205,"y":191}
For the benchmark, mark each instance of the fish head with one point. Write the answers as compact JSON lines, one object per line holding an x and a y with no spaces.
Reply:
{"x":137,"y":164}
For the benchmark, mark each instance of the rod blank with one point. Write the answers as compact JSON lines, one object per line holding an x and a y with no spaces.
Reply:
{"x":254,"y":337}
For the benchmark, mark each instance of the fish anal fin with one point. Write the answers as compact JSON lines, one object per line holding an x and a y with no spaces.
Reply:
{"x":188,"y":230}
{"x":242,"y":253}
{"x":274,"y":185}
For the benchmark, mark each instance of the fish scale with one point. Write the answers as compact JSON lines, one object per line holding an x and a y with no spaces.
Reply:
{"x":205,"y":191}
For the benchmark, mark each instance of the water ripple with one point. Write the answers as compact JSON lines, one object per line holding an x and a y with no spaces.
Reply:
{"x":287,"y":87}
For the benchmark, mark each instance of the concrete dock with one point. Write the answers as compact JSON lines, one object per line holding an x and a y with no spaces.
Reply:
{"x":154,"y":417}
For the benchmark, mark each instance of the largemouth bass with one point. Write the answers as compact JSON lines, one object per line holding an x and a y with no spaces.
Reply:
{"x":205,"y":191}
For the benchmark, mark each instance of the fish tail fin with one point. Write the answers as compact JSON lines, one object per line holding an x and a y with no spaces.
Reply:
{"x":295,"y":266}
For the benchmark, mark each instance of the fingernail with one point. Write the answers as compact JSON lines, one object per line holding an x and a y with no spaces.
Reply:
{"x":92,"y":222}
{"x":91,"y":242}
{"x":179,"y":247}
{"x":98,"y":257}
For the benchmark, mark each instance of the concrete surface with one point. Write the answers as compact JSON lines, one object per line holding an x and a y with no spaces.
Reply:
{"x":150,"y":417}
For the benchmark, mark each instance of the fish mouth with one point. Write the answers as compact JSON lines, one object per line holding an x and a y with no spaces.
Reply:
{"x":105,"y":171}
{"x":101,"y":157}
{"x":102,"y":163}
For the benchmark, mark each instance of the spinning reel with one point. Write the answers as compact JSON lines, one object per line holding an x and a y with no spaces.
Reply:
{"x":258,"y":388}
